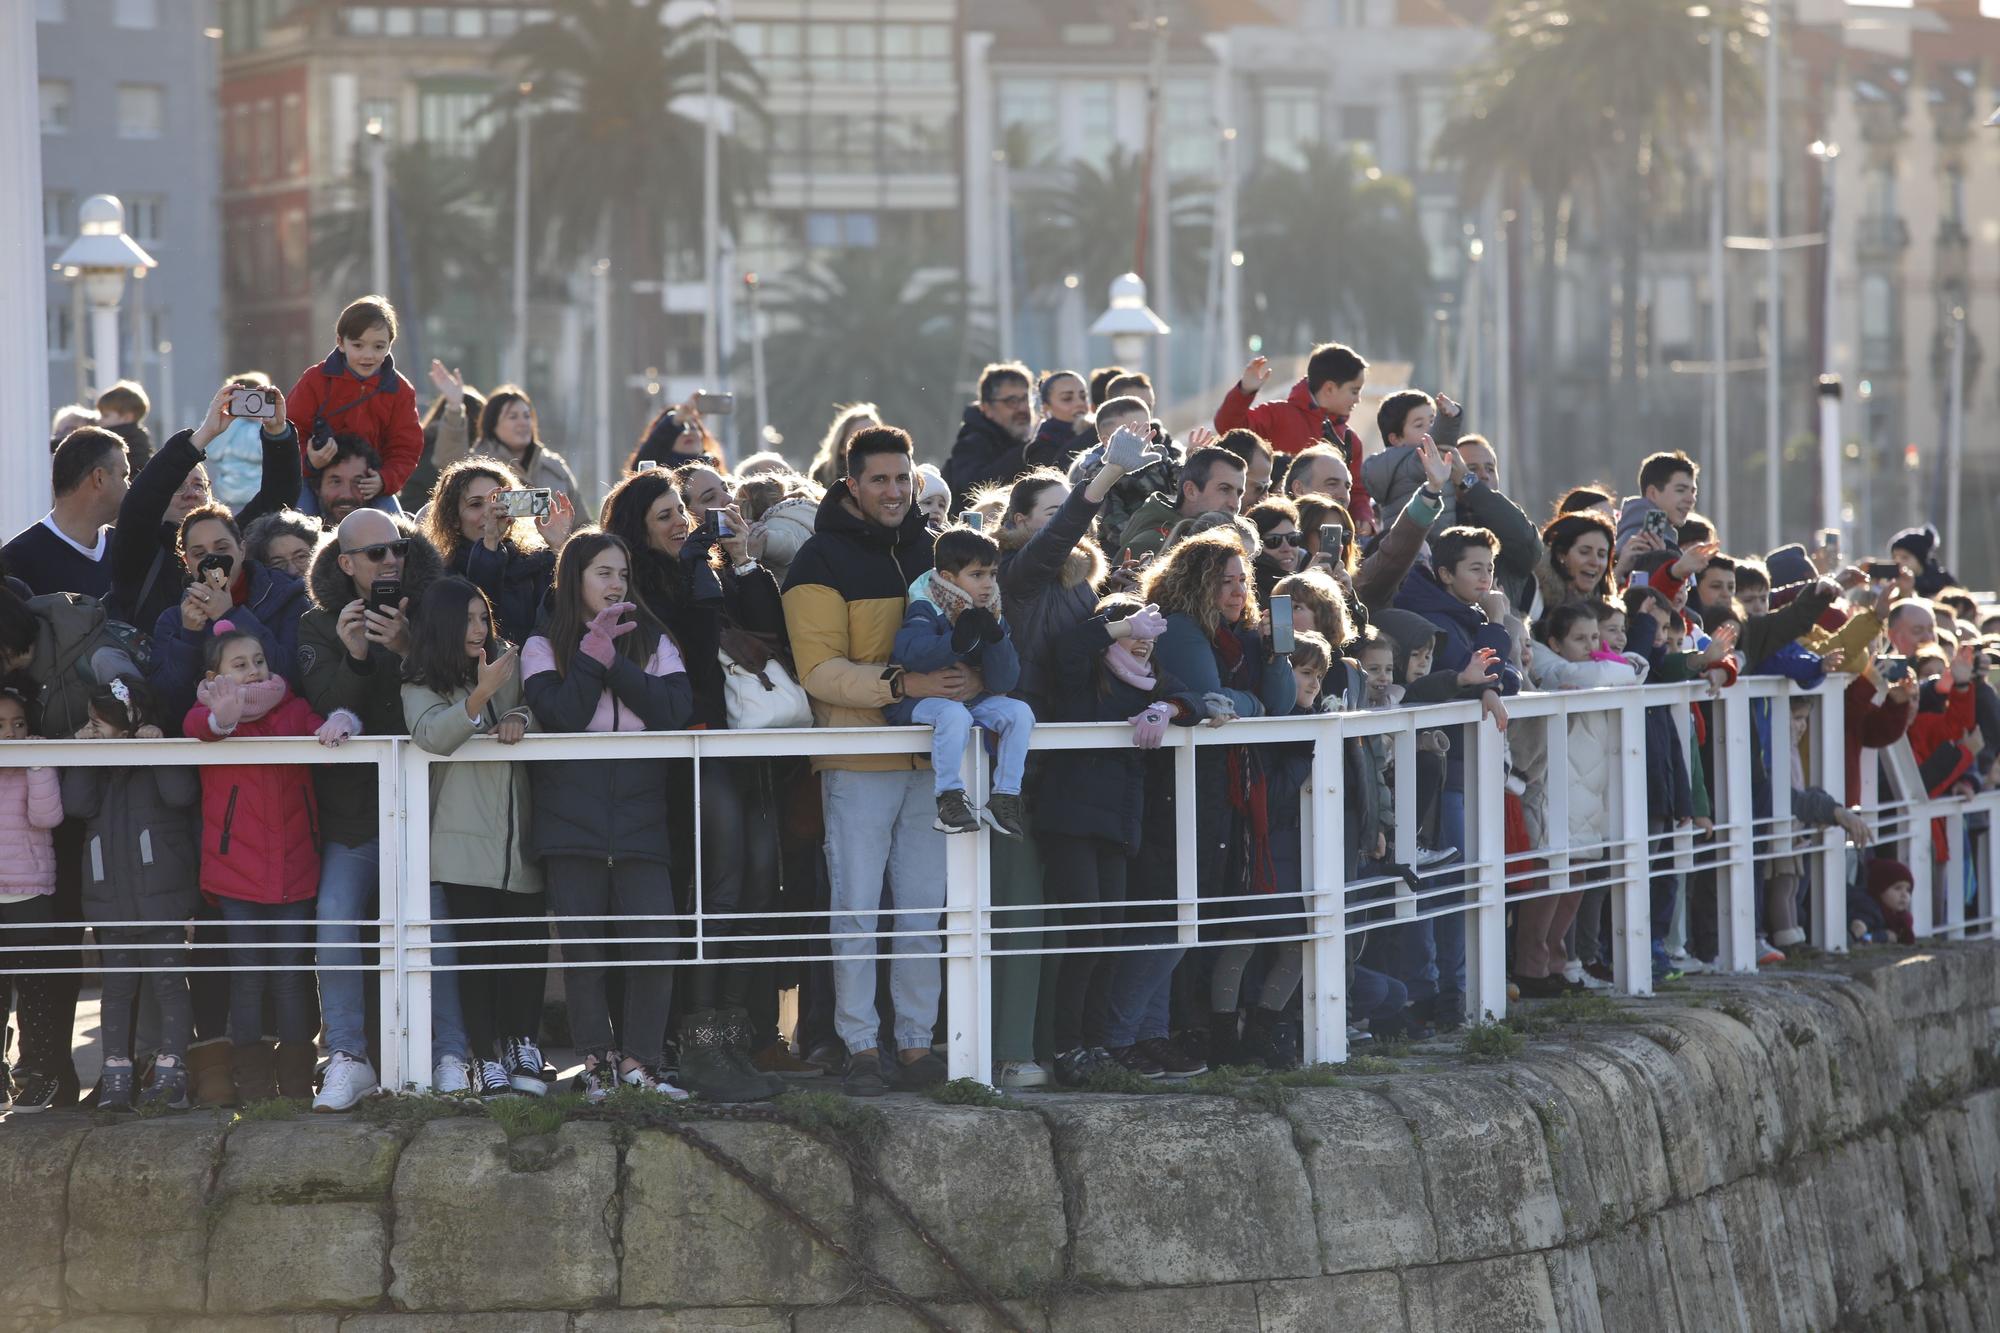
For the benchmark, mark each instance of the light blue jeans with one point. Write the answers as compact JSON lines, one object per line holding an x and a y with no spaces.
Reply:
{"x":348,"y":877}
{"x":1138,"y":1002}
{"x":951,"y":723}
{"x":880,"y":824}
{"x":447,"y":1017}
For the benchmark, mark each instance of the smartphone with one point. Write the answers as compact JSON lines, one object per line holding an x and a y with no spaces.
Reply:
{"x":1829,"y":541}
{"x":1895,"y":669}
{"x":1883,"y":571}
{"x":973,"y":519}
{"x":534,"y":503}
{"x":645,"y":465}
{"x":1333,"y":542}
{"x":717,"y":524}
{"x":253,"y":404}
{"x":1657,"y":523}
{"x":1281,"y":624}
{"x":714,"y":404}
{"x":385,"y":594}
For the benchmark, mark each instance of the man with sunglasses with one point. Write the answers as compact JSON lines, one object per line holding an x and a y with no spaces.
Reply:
{"x":993,"y":438}
{"x":351,"y":646}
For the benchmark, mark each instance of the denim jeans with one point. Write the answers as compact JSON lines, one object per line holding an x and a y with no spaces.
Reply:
{"x":951,"y":722}
{"x":1137,"y":1004}
{"x":1428,"y":957}
{"x":1374,"y":997}
{"x":447,"y":1016}
{"x":285,"y":972}
{"x":347,"y":887}
{"x":877,"y":824}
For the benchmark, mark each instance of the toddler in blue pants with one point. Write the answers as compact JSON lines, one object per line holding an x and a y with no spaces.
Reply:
{"x":952,"y":629}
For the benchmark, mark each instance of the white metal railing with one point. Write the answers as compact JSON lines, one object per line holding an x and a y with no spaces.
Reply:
{"x":972,"y":928}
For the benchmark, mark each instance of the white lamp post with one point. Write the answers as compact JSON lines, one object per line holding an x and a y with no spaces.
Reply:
{"x":102,"y":256}
{"x":1129,"y":322}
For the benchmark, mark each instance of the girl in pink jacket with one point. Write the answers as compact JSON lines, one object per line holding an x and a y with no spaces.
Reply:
{"x":30,"y":808}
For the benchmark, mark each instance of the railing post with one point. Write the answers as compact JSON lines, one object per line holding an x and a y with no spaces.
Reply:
{"x":1486,"y":846}
{"x":414,"y":957}
{"x":968,"y":918}
{"x":1907,"y":783}
{"x":1829,"y":863}
{"x":1954,"y":869}
{"x":1403,"y":769}
{"x":1631,"y":899}
{"x":1187,"y":843}
{"x":391,"y":886}
{"x":1730,"y":803}
{"x":1324,"y":858}
{"x":1989,"y":866}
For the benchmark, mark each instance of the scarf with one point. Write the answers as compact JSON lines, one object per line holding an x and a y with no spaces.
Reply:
{"x":1248,"y":794}
{"x":1120,"y":662}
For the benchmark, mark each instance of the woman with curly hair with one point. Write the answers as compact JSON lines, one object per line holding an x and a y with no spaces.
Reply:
{"x":1214,"y":646}
{"x":506,"y":558}
{"x":829,"y":461}
{"x":1577,"y":565}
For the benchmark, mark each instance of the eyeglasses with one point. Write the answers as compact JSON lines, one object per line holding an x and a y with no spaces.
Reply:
{"x":378,"y":553}
{"x":1011,"y":400}
{"x":1273,"y":540}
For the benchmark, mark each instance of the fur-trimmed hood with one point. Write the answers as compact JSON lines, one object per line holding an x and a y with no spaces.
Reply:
{"x":333,"y":588}
{"x":1085,"y":564}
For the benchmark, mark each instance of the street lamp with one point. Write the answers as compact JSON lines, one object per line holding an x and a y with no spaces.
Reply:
{"x":378,"y":204}
{"x":1826,"y":154}
{"x":751,"y":287}
{"x":518,"y":347}
{"x":102,"y":256}
{"x":1129,"y":322}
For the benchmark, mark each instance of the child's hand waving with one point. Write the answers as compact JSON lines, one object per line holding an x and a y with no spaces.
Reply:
{"x":224,"y":699}
{"x":1481,"y":669}
{"x":606,"y":628}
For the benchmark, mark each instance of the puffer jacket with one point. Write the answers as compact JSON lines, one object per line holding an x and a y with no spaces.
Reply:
{"x":589,"y":807}
{"x":480,"y":811}
{"x":1049,"y":582}
{"x":844,"y":598}
{"x":141,"y":845}
{"x":1295,"y":423}
{"x":516,"y":582}
{"x":272,"y":603}
{"x":31,"y":806}
{"x":543,"y":466}
{"x":1130,"y":492}
{"x":1056,"y":443}
{"x":924,"y":644}
{"x":983,"y":454}
{"x":260,"y":831}
{"x":329,"y":400}
{"x":1593,"y":756}
{"x":370,"y":689}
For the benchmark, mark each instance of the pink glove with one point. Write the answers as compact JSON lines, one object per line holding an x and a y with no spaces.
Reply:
{"x":224,"y":698}
{"x":1149,"y":728}
{"x":342,"y":726}
{"x":1146,"y":623}
{"x":599,"y":640}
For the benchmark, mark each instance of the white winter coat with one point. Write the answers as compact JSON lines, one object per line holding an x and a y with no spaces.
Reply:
{"x":1592,"y":737}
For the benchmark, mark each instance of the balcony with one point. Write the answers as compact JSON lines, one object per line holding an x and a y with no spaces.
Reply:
{"x":1879,"y":236}
{"x":1952,"y":253}
{"x":1881,"y":122}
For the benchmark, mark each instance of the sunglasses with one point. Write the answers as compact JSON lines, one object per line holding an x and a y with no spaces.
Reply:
{"x":1273,"y":540}
{"x":378,"y":553}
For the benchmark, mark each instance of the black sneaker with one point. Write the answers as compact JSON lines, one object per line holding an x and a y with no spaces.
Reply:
{"x":955,"y":814}
{"x":926,"y":1071}
{"x":1175,"y":1060}
{"x":864,"y":1077}
{"x":489,"y":1079}
{"x":522,"y":1060}
{"x":1003,"y":812}
{"x":6,"y":1084}
{"x":34,"y":1092}
{"x":596,"y":1082}
{"x":1074,"y":1067}
{"x":1136,"y":1059}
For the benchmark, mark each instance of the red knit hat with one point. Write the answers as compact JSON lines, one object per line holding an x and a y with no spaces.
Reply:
{"x":1884,"y":875}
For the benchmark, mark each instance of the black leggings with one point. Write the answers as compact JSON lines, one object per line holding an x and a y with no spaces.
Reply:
{"x":587,"y":886}
{"x":1090,"y":872}
{"x":740,"y":851}
{"x":121,"y":989}
{"x":499,"y":1001}
{"x":31,"y":998}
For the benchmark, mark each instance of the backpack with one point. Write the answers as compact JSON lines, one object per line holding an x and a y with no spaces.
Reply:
{"x":82,"y":648}
{"x":757,"y":690}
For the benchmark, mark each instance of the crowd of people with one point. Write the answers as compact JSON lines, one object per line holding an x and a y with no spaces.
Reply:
{"x":329,"y":562}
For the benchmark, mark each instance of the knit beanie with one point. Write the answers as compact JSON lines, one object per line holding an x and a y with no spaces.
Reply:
{"x":1919,"y":542}
{"x":1884,"y":875}
{"x":1789,"y":565}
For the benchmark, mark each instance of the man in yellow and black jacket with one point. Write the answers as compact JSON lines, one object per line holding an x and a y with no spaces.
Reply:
{"x":844,"y":600}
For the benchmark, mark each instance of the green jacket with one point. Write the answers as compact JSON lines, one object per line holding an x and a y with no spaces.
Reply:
{"x":1149,"y":525}
{"x":479,"y":810}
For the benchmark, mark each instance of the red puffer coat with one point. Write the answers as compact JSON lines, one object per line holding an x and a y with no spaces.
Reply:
{"x":259,"y":822}
{"x":330,"y":400}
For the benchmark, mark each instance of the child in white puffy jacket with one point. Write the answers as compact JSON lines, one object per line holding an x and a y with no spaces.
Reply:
{"x":1569,"y":655}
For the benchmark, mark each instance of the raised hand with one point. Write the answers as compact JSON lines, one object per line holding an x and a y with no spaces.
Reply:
{"x":1129,"y":449}
{"x":1201,"y":437}
{"x":216,"y":420}
{"x":605,"y":629}
{"x":224,"y":697}
{"x":1256,"y":374}
{"x":1149,"y":728}
{"x":450,"y":384}
{"x":1437,"y":468}
{"x":1481,"y":670}
{"x":319,"y":456}
{"x":496,"y":673}
{"x":1145,"y":623}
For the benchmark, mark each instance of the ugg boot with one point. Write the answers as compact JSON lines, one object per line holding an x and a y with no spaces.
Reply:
{"x":296,"y":1062}
{"x":208,"y":1070}
{"x":740,"y":1032}
{"x":1225,"y":1046}
{"x":254,"y":1065}
{"x":706,"y":1069}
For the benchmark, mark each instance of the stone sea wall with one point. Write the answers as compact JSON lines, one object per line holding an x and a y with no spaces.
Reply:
{"x":1812,"y":1149}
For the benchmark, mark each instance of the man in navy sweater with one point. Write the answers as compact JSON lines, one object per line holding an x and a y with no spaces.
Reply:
{"x":69,"y":550}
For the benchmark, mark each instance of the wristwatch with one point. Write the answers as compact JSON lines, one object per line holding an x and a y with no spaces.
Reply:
{"x":893,"y":677}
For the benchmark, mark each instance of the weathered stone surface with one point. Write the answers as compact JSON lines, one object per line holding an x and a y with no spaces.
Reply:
{"x":1567,"y":1134}
{"x":984,"y":1183}
{"x":1486,"y":1164}
{"x":270,"y":1257}
{"x":1743,"y":1079}
{"x":894,"y":1319}
{"x":307,"y":1161}
{"x":138,"y":1233}
{"x":35,"y":1163}
{"x":1699,"y":1257}
{"x":253,"y":1323}
{"x":1573,"y":1284}
{"x":519,"y":1321}
{"x":1860,"y":1187}
{"x":1509,"y":1295}
{"x":473,"y":1234}
{"x":1372,"y":1301}
{"x":1182,"y":1191}
{"x":1629,"y":1164}
{"x":1682,"y":1120}
{"x":103,"y":1323}
{"x":696,"y":1236}
{"x":1228,"y":1309}
{"x":742,"y":1320}
{"x":1633,"y":1284}
{"x":1367,"y":1181}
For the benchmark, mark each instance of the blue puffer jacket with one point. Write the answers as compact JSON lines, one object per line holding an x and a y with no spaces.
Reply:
{"x":923,"y":645}
{"x":1462,"y":629}
{"x":272,"y":603}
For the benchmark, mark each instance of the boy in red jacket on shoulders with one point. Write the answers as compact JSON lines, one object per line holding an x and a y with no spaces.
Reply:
{"x":1315,"y":412}
{"x":357,"y":390}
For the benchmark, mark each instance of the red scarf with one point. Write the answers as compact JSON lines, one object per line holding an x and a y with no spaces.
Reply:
{"x":1248,"y":795}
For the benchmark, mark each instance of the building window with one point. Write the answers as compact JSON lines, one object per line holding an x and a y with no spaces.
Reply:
{"x":842,"y":231}
{"x":60,"y":328}
{"x":468,"y":23}
{"x":362,"y":20}
{"x":502,"y":23}
{"x":55,"y":106}
{"x":291,"y":135}
{"x":1290,"y":119}
{"x":1432,"y":104}
{"x":266,"y":126}
{"x":240,"y":142}
{"x":1028,"y":113}
{"x":1191,"y":132}
{"x":399,"y":21}
{"x":142,"y":110}
{"x":136,"y":13}
{"x":142,"y":218}
{"x":1096,"y":123}
{"x":1880,"y":192}
{"x":292,"y":249}
{"x":434,"y":21}
{"x":58,"y":216}
{"x":1954,"y":198}
{"x":448,"y":119}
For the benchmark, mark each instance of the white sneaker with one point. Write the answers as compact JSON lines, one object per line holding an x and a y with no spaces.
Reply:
{"x":347,"y":1081}
{"x":1692,"y":966}
{"x":1019,"y":1074}
{"x":652,"y":1080}
{"x":450,"y":1078}
{"x":1573,"y":972}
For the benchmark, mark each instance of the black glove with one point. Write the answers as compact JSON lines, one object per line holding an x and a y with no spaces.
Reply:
{"x":975,"y":625}
{"x":698,"y":543}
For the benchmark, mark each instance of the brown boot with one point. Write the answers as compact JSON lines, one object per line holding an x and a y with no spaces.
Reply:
{"x":296,"y":1062}
{"x":208,"y":1072}
{"x":255,"y":1066}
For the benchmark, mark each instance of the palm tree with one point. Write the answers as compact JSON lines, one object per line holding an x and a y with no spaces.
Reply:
{"x":873,"y":324}
{"x":616,"y":156}
{"x":1088,"y":225}
{"x":1334,"y":247}
{"x":442,"y":245}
